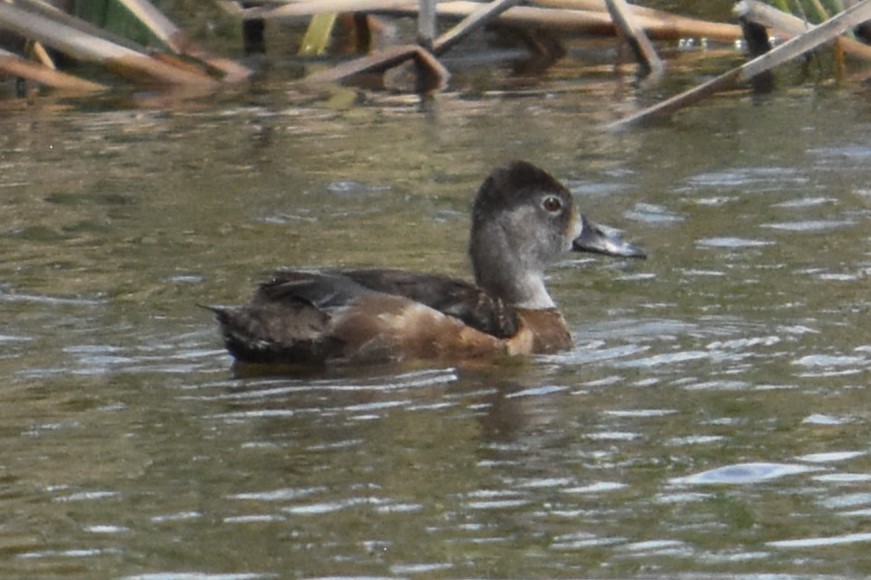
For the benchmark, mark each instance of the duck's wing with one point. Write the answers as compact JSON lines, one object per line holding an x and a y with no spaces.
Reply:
{"x":316,"y":317}
{"x":451,"y":296}
{"x":324,"y":290}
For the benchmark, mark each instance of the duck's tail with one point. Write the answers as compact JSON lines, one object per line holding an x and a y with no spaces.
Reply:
{"x":270,"y":334}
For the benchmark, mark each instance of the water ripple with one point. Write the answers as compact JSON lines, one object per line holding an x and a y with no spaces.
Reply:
{"x":198,"y":576}
{"x":582,"y":540}
{"x":537,"y":391}
{"x":732,"y":242}
{"x":809,"y":226}
{"x":651,"y":213}
{"x":830,"y":456}
{"x":50,"y":300}
{"x":743,"y":177}
{"x":744,"y":473}
{"x":820,"y":419}
{"x":598,"y":487}
{"x":823,"y":541}
{"x":284,"y":494}
{"x":804,"y":202}
{"x":664,"y":359}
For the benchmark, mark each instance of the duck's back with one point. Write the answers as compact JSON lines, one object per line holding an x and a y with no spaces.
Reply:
{"x":303,"y":317}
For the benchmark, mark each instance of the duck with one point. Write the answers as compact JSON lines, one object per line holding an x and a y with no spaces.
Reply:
{"x":522,"y":220}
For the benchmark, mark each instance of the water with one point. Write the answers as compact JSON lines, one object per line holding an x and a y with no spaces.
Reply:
{"x":711,"y":419}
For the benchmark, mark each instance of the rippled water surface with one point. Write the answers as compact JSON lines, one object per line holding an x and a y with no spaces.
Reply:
{"x":711,"y":419}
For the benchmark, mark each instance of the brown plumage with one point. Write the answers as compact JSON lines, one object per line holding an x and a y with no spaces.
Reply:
{"x":522,"y":219}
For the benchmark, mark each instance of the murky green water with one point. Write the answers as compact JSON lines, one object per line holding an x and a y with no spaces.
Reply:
{"x":712,"y":418}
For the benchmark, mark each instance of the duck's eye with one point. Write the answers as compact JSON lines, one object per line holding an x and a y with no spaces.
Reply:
{"x":552,"y":204}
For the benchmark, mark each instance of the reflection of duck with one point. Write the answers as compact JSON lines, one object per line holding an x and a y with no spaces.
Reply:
{"x":522,"y":220}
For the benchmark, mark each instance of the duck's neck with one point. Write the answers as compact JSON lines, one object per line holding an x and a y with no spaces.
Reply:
{"x":499,"y":272}
{"x":534,"y":294}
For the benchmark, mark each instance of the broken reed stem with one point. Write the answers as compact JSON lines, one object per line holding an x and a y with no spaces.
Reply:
{"x":177,"y":41}
{"x":787,"y":51}
{"x":474,"y":21}
{"x":426,"y":23}
{"x":14,"y":65}
{"x":641,"y":46}
{"x":791,"y":26}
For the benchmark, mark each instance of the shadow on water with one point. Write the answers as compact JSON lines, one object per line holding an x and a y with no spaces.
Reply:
{"x":709,"y":420}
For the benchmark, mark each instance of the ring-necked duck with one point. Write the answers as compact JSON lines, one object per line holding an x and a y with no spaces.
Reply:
{"x":522,"y":220}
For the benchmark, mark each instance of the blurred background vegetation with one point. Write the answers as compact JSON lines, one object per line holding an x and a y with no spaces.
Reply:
{"x":211,"y":25}
{"x":208,"y":23}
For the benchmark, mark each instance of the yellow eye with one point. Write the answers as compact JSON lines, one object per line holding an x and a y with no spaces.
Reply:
{"x":552,"y":204}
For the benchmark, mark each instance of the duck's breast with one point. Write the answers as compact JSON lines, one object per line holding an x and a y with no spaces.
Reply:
{"x":541,"y":332}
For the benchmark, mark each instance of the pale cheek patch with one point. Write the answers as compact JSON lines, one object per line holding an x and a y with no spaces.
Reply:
{"x":574,"y":229}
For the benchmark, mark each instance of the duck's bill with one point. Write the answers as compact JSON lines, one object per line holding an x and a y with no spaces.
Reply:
{"x":604,"y":240}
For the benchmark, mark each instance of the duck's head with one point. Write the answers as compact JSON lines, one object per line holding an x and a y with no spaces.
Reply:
{"x":522,"y":220}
